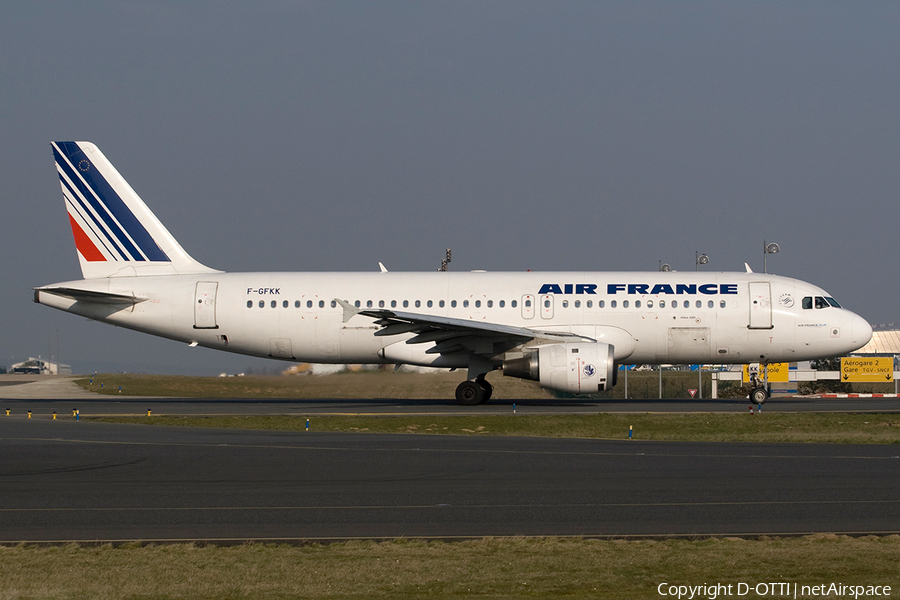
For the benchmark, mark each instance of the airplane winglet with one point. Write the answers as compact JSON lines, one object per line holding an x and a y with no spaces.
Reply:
{"x":350,"y":311}
{"x":382,"y":267}
{"x":746,"y":266}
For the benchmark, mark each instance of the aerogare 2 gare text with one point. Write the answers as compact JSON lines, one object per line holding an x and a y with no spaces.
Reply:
{"x":771,"y":590}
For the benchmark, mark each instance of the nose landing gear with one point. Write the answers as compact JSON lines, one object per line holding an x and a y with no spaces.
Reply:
{"x":759,"y":395}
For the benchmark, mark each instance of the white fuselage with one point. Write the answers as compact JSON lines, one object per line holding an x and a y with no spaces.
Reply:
{"x":648,"y":317}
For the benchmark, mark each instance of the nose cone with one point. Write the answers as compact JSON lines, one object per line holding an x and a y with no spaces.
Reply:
{"x":860,"y":332}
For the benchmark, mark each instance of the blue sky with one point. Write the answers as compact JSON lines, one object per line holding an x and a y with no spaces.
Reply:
{"x":282,"y":135}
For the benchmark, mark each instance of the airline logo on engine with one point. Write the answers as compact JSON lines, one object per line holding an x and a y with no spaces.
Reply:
{"x":678,"y":289}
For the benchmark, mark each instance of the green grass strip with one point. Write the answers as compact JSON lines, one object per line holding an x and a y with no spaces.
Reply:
{"x":486,"y":568}
{"x":841,"y":428}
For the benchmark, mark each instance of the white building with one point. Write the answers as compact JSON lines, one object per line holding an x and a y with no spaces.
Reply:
{"x":39,"y":366}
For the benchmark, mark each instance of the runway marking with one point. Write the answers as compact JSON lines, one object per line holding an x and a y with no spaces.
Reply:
{"x":451,"y":506}
{"x":649,"y":454}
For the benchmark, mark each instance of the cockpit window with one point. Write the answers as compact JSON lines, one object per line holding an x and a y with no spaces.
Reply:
{"x":819,"y":302}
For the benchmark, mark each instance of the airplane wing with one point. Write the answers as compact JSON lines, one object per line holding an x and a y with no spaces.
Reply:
{"x":451,"y":335}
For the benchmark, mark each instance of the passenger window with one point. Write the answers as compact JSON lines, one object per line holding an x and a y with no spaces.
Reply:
{"x":430,"y":304}
{"x":711,"y":304}
{"x":465,"y":304}
{"x":637,"y":303}
{"x":478,"y":304}
{"x":441,"y":304}
{"x":296,"y":304}
{"x":612,"y":303}
{"x":699,"y":304}
{"x":490,"y":303}
{"x":547,"y":303}
{"x":418,"y":303}
{"x":274,"y":304}
{"x":356,"y":303}
{"x":662,"y":303}
{"x":333,"y":304}
{"x":406,"y":304}
{"x":649,"y":303}
{"x":393,"y":304}
{"x":721,"y":304}
{"x":368,"y":304}
{"x":381,"y":304}
{"x":578,"y":304}
{"x":528,"y":304}
{"x":262,"y":303}
{"x":249,"y":303}
{"x":513,"y":303}
{"x":502,"y":303}
{"x":807,"y":303}
{"x":309,"y":304}
{"x":453,"y":304}
{"x":565,"y":304}
{"x":624,"y":303}
{"x":284,"y":304}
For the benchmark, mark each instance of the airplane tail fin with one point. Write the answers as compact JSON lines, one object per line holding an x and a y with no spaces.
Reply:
{"x":116,"y":235}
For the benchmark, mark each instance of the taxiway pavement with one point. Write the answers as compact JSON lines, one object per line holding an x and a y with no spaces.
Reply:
{"x":87,"y":481}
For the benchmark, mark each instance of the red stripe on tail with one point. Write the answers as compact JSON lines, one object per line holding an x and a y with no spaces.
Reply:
{"x":84,"y":244}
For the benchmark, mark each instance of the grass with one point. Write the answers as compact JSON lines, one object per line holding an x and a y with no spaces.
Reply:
{"x":485,"y":568}
{"x":702,"y":427}
{"x":399,"y":385}
{"x":360,"y":384}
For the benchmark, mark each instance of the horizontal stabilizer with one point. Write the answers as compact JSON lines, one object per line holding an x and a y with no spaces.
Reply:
{"x":89,"y":296}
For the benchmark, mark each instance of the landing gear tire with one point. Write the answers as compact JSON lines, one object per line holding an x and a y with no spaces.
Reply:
{"x":488,"y":390}
{"x":470,"y":393}
{"x":759,"y":395}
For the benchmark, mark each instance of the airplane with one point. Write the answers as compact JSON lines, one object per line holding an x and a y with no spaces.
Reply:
{"x":568,"y":331}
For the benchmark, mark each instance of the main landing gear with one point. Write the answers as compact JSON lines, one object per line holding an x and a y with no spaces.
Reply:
{"x":474,"y":392}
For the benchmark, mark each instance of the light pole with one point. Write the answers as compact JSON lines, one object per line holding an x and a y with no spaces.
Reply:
{"x":665,"y":268}
{"x":700,"y":259}
{"x":767,"y":250}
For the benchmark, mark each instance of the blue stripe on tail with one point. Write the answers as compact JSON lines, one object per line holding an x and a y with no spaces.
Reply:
{"x":110,"y":205}
{"x":96,"y":226}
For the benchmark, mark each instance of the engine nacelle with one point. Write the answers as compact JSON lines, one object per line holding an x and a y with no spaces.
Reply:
{"x":577,"y":368}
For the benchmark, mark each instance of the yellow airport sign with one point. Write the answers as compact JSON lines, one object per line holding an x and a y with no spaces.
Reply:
{"x":863,"y":368}
{"x":778,"y":372}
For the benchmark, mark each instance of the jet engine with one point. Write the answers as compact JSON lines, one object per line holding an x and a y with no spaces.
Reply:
{"x":576,"y":368}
